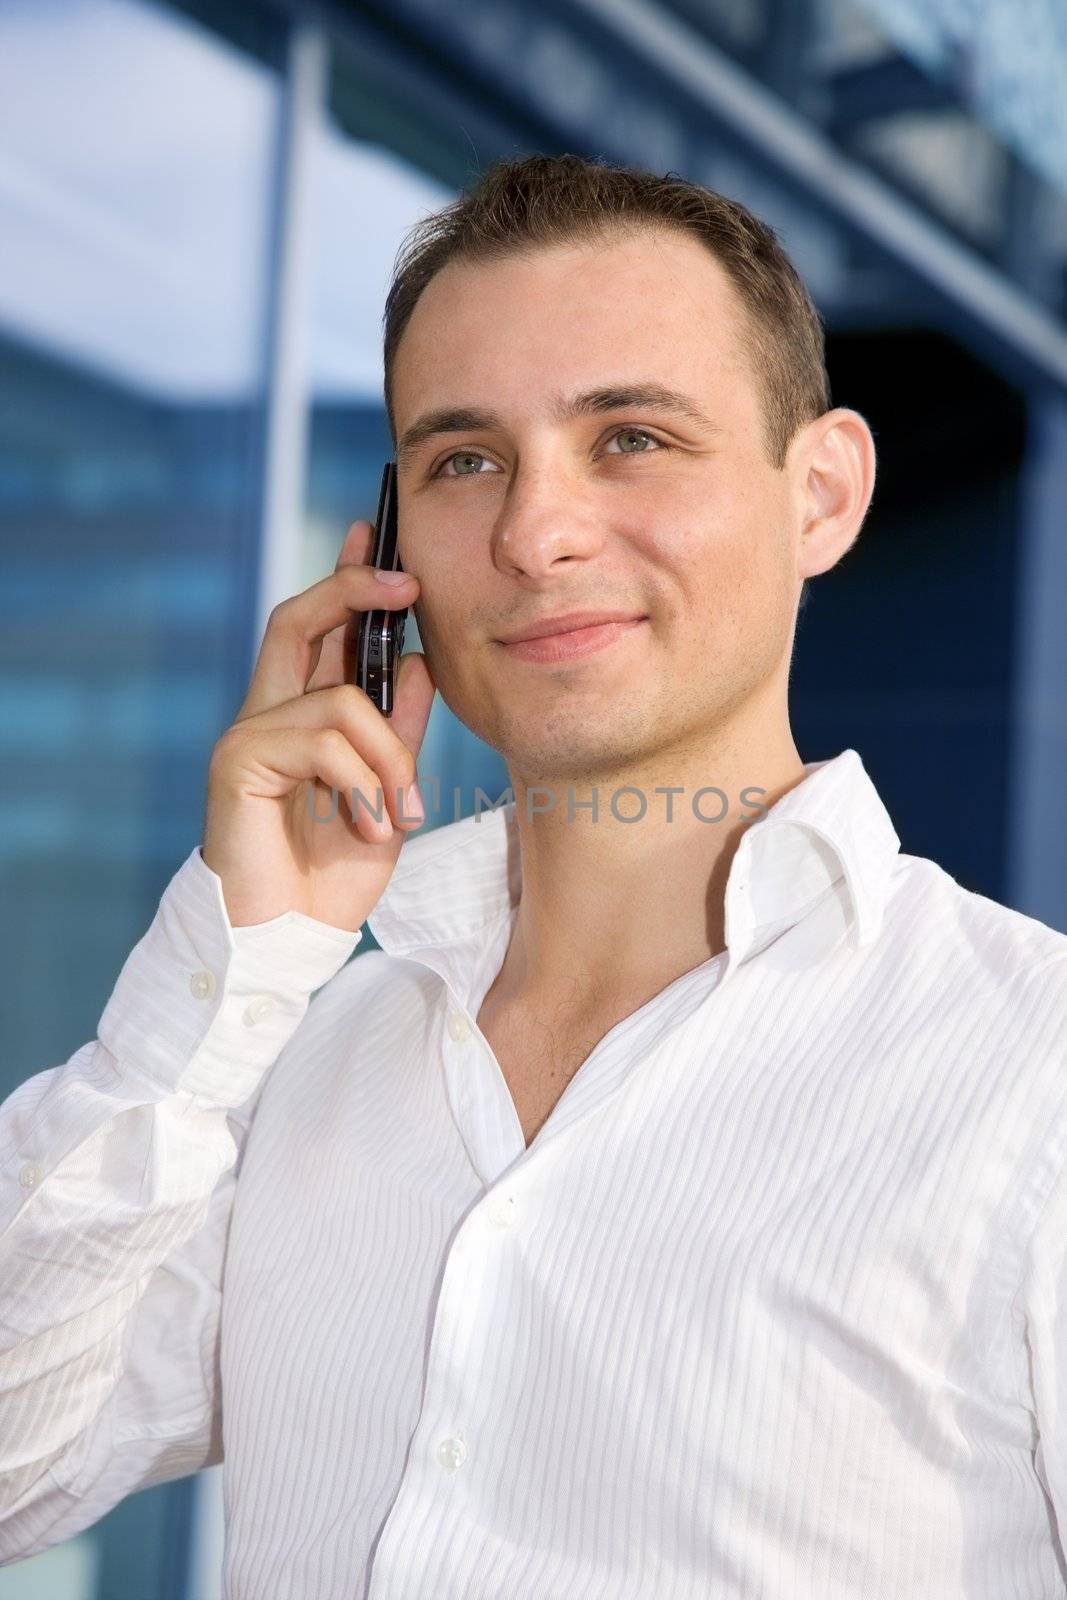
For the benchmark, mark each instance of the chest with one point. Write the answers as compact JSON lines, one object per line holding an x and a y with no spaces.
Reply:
{"x":539,"y":1058}
{"x":765,"y":1258}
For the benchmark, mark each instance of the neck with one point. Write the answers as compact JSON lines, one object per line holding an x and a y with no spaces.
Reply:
{"x":614,"y":910}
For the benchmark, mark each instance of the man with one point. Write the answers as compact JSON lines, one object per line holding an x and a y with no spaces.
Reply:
{"x":675,"y":1205}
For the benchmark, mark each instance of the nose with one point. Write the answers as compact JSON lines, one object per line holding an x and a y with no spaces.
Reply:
{"x":544,"y":522}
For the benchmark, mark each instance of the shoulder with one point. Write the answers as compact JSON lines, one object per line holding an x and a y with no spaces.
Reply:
{"x":373,"y":978}
{"x":977,"y":949}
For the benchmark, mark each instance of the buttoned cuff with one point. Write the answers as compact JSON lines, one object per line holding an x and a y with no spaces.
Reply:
{"x":205,"y":1008}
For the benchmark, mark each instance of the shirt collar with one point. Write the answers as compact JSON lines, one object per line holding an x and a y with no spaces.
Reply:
{"x":453,"y":887}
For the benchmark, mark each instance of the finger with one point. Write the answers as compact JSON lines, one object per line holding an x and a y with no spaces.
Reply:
{"x":388,"y":758}
{"x":356,"y":545}
{"x":413,"y":702}
{"x":415,"y":689}
{"x":328,"y":661}
{"x":297,"y":626}
{"x":275,"y":760}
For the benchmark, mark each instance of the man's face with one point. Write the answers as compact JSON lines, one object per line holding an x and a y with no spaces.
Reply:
{"x":534,"y":516}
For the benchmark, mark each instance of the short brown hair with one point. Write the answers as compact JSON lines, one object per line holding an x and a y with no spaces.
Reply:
{"x":539,"y":201}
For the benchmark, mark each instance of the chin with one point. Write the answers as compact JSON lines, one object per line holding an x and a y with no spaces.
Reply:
{"x":564,"y":737}
{"x":571,"y":756}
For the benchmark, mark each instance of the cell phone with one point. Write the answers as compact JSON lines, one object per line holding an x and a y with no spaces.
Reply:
{"x":374,"y":639}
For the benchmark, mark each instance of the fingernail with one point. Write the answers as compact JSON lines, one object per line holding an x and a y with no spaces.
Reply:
{"x":393,"y":577}
{"x":413,"y":806}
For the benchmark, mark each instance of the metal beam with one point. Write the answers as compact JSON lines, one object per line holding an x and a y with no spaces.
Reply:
{"x":289,"y":319}
{"x":840,"y":183}
{"x":1037,"y":839}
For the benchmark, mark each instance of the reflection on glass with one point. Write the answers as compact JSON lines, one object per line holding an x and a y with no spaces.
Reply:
{"x":136,"y":152}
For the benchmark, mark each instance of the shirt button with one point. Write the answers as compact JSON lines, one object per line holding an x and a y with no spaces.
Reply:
{"x":451,"y":1453}
{"x":202,"y":984}
{"x":30,"y":1175}
{"x":458,"y":1026}
{"x":257,"y":1009}
{"x":501,"y":1211}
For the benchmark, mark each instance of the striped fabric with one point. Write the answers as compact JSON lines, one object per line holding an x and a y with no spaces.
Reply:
{"x":774,"y":1306}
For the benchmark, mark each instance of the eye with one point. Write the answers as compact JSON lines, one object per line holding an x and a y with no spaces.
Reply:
{"x":638,"y":433}
{"x":459,"y":455}
{"x":474,"y":455}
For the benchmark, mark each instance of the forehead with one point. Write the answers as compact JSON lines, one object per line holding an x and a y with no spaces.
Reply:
{"x":655,"y":302}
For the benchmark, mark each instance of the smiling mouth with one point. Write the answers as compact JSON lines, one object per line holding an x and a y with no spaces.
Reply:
{"x":572,"y":643}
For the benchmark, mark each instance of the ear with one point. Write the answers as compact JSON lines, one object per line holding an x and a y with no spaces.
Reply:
{"x":834,"y":463}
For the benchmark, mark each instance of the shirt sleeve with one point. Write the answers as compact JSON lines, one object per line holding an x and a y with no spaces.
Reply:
{"x":117,"y":1179}
{"x":1040,"y":1314}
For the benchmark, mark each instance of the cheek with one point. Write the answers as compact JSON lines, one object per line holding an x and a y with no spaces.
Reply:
{"x":442,"y":619}
{"x":730,"y":542}
{"x":701,"y":561}
{"x":719,"y":580}
{"x":437,"y":582}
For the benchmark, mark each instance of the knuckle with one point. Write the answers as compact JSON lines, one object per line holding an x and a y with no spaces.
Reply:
{"x":280,"y":615}
{"x":222,"y":748}
{"x":347,"y":696}
{"x":349,"y":704}
{"x":224,"y":758}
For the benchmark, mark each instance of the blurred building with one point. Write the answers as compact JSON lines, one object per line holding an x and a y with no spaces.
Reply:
{"x":199,"y":209}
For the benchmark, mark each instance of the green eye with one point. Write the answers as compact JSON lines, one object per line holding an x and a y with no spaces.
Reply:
{"x":635,"y":433}
{"x":459,"y":455}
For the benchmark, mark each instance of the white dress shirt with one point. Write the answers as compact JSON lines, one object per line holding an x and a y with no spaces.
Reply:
{"x":774,"y":1307}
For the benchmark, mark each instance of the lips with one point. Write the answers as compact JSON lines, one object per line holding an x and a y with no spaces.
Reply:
{"x":568,"y":623}
{"x":570,"y":645}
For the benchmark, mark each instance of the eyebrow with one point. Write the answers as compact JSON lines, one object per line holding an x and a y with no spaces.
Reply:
{"x":563,"y":408}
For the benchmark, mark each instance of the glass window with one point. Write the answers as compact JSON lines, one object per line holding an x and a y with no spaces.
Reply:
{"x":136,"y":182}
